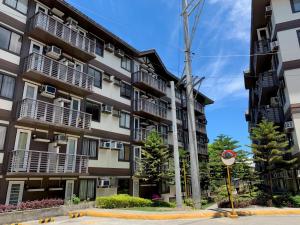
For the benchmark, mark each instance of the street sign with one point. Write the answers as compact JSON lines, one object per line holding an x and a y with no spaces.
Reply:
{"x":228,"y":157}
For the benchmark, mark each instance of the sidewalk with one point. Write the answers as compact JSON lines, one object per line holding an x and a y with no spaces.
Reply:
{"x":214,"y":213}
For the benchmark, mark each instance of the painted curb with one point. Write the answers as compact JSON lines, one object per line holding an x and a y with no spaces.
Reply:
{"x":195,"y":215}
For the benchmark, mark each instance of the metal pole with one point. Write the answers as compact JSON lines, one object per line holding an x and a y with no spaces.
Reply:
{"x":233,"y":213}
{"x":196,"y":193}
{"x":175,"y":148}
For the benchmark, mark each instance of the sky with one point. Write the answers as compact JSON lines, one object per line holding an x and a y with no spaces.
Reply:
{"x":220,"y":49}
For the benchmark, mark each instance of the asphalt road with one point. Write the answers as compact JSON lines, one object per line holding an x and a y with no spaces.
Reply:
{"x":253,"y":220}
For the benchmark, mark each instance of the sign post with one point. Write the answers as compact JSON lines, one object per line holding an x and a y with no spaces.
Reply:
{"x":228,"y":158}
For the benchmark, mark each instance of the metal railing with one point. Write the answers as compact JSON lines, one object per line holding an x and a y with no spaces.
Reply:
{"x":201,"y":128}
{"x":143,"y":133}
{"x":53,"y":114}
{"x":202,"y":149}
{"x":148,"y":79}
{"x":58,"y":71}
{"x":150,"y":107}
{"x":262,"y":46}
{"x":29,"y":161}
{"x":62,"y":31}
{"x":267,"y":79}
{"x":197,"y":106}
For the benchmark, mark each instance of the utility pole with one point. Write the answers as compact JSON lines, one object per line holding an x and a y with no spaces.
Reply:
{"x":175,"y":148}
{"x":196,"y":192}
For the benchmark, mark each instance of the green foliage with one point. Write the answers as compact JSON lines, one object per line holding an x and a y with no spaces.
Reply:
{"x":75,"y":200}
{"x":156,"y":163}
{"x":122,"y":201}
{"x":189,"y":202}
{"x":296,"y":201}
{"x":159,"y":203}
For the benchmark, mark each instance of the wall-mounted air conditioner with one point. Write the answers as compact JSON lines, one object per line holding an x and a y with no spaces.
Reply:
{"x":268,"y":11}
{"x":104,"y":183}
{"x":107,"y":77}
{"x":48,"y":91}
{"x":289,"y":125}
{"x":274,"y":46}
{"x":116,"y":113}
{"x":107,"y":109}
{"x":117,"y":81}
{"x":120,"y":145}
{"x":61,"y":139}
{"x":72,"y":23}
{"x":120,"y":53}
{"x":114,"y":145}
{"x":275,"y":101}
{"x":57,"y":12}
{"x":53,"y":52}
{"x":109,"y":47}
{"x":106,"y":144}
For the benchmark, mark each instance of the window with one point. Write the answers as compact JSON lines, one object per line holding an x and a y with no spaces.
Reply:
{"x":125,"y":90}
{"x":7,"y":86}
{"x":99,"y":47}
{"x":2,"y":137}
{"x":126,"y":63}
{"x":94,"y":109}
{"x":125,"y":120}
{"x":295,"y":5}
{"x":97,"y":76}
{"x":10,"y":41}
{"x":87,"y":189}
{"x":90,"y":147}
{"x":19,"y":5}
{"x":124,"y":153}
{"x":178,"y":114}
{"x":14,"y":192}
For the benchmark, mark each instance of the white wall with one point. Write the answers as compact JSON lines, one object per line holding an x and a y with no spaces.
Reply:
{"x":296,"y":133}
{"x":1,"y":157}
{"x":289,"y":45}
{"x":5,"y":104}
{"x":292,"y":78}
{"x":282,"y":11}
{"x":108,"y":122}
{"x":9,"y":57}
{"x":13,"y":13}
{"x":108,"y":159}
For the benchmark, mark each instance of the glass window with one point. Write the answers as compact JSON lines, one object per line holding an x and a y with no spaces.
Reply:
{"x":87,"y":189}
{"x":15,"y":43}
{"x":295,"y":5}
{"x":10,"y":41}
{"x":126,"y":63}
{"x":19,"y":5}
{"x":4,"y":38}
{"x":7,"y":86}
{"x":94,"y":109}
{"x":99,"y":47}
{"x":125,"y":120}
{"x":2,"y":137}
{"x":124,"y":153}
{"x":90,"y":147}
{"x":125,"y":90}
{"x":97,"y":76}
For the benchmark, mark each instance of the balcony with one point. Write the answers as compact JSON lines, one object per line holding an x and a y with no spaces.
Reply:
{"x":43,"y":162}
{"x":262,"y":55}
{"x":197,"y":106}
{"x":201,"y":128}
{"x":146,"y":81}
{"x":44,"y":113}
{"x":267,"y":86}
{"x":274,"y":115}
{"x":141,"y":135}
{"x":43,"y":69}
{"x":202,"y":149}
{"x":50,"y":30}
{"x":146,"y":108}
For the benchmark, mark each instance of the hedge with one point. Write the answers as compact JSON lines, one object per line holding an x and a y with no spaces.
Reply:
{"x":122,"y":201}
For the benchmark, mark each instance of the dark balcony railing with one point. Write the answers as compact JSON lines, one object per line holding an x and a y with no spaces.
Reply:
{"x":141,"y":135}
{"x":201,"y":128}
{"x":197,"y":106}
{"x":268,"y":79}
{"x":272,"y":114}
{"x":57,"y":71}
{"x":149,"y":107}
{"x":149,"y":80}
{"x":44,"y":112}
{"x":202,"y":149}
{"x":29,"y":161}
{"x":60,"y":30}
{"x":262,"y":46}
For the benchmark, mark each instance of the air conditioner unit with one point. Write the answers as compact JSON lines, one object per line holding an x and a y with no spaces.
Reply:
{"x":120,"y":145}
{"x":275,"y":101}
{"x":107,"y":77}
{"x":116,"y":113}
{"x":57,"y":12}
{"x":72,"y":23}
{"x":107,"y":108}
{"x":117,"y":81}
{"x":120,"y":53}
{"x":114,"y":145}
{"x":109,"y":47}
{"x":289,"y":125}
{"x":268,"y":10}
{"x":274,"y":46}
{"x":106,"y":144}
{"x":48,"y":91}
{"x":53,"y":52}
{"x":61,"y":139}
{"x":104,"y":183}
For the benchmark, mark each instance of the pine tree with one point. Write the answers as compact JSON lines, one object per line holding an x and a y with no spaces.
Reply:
{"x":155,"y":165}
{"x":270,"y":149}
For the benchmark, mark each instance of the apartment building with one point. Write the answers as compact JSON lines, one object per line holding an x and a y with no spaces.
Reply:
{"x":274,"y":76}
{"x":76,"y":104}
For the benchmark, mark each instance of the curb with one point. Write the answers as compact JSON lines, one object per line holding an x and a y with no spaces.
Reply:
{"x":195,"y":215}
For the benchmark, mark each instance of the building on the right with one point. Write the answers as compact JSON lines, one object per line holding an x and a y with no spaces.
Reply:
{"x":273,"y":78}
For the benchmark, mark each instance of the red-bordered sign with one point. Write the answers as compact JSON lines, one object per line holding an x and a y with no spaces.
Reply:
{"x":228,"y":157}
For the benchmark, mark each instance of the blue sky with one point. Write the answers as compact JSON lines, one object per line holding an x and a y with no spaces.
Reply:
{"x":222,"y":34}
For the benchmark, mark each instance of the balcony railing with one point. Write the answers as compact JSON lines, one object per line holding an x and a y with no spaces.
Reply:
{"x":272,"y":114}
{"x":149,"y":80}
{"x":267,"y":79}
{"x":48,"y":113}
{"x":58,"y":71}
{"x":63,"y":32}
{"x":141,"y":135}
{"x":29,"y":161}
{"x":262,"y":46}
{"x":154,"y":109}
{"x":202,"y":149}
{"x":201,"y":128}
{"x":197,"y":106}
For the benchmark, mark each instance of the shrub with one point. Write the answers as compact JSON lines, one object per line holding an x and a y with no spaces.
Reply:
{"x":159,"y":203}
{"x":36,"y":204}
{"x":75,"y":200}
{"x":296,"y":200}
{"x":122,"y":201}
{"x":189,"y":202}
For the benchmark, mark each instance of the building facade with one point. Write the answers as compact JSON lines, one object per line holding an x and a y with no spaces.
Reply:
{"x":274,"y":76}
{"x":76,"y":104}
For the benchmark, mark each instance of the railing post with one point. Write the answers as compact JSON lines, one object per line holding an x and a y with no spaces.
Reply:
{"x":48,"y":162}
{"x":39,"y":162}
{"x":28,"y":161}
{"x":80,"y":164}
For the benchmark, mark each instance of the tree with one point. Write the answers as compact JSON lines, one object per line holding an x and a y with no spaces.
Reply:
{"x":270,"y":149}
{"x":155,"y":165}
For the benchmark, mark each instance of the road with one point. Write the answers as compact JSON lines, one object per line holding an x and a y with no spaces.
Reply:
{"x":254,"y":220}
